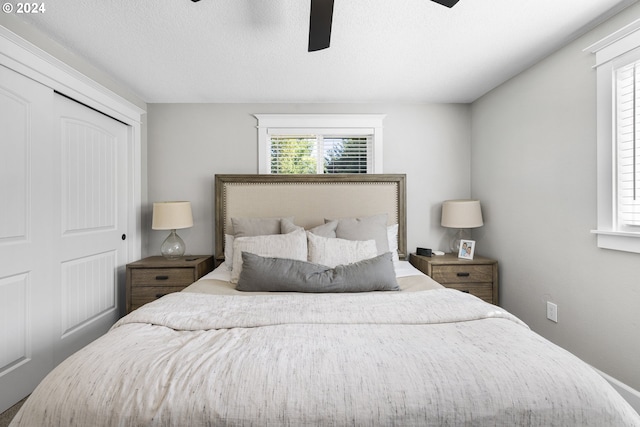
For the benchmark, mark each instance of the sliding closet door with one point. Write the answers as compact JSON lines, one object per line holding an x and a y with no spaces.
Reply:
{"x":26,"y":205}
{"x":90,"y":242}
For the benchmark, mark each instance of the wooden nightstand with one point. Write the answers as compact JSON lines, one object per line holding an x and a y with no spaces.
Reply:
{"x":478,"y":276}
{"x":153,"y":277}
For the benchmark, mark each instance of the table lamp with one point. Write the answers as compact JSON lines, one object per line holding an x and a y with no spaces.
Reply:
{"x":462,"y":215}
{"x":172,"y":216}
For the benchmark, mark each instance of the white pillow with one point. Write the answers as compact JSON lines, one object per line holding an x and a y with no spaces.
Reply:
{"x":286,"y":226}
{"x":333,"y":251}
{"x":392,"y":236}
{"x":228,"y":251}
{"x":292,"y":246}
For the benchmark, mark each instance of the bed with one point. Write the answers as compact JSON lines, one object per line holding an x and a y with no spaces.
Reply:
{"x":396,"y":348}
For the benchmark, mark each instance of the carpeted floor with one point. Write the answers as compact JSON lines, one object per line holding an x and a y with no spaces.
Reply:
{"x":7,"y":416}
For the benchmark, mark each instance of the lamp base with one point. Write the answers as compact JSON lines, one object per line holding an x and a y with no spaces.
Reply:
{"x":173,"y":246}
{"x":459,"y":234}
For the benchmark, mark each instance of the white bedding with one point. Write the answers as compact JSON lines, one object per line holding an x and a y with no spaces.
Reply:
{"x":430,"y":358}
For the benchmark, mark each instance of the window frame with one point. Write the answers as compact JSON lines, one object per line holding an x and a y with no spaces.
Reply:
{"x":323,"y":124}
{"x":626,"y":149}
{"x":611,"y":53}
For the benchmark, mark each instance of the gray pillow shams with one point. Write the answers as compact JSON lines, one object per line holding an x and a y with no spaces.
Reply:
{"x":365,"y":228}
{"x":288,"y":275}
{"x":328,"y":229}
{"x":255,"y":226}
{"x":243,"y":227}
{"x":287,"y":226}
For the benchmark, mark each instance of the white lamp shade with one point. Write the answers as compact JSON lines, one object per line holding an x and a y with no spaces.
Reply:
{"x":171,"y":215}
{"x":461,"y":214}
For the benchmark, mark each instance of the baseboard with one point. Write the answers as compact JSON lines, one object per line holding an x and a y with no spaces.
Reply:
{"x":630,"y":395}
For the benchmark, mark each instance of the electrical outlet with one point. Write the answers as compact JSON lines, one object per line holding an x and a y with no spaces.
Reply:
{"x":552,"y":312}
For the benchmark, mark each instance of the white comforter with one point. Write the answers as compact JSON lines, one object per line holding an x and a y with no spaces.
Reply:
{"x":430,"y":358}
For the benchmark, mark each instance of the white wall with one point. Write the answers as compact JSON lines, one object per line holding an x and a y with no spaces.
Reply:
{"x":533,"y":167}
{"x":35,"y":36}
{"x":189,"y":143}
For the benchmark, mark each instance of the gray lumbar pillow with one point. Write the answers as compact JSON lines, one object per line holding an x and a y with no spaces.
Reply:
{"x":261,"y":274}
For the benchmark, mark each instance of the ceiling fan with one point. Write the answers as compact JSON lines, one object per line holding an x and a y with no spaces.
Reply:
{"x":322,"y":16}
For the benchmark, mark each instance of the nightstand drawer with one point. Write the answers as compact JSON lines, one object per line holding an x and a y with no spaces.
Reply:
{"x":478,"y":277}
{"x":481,"y":290}
{"x":162,"y":276}
{"x":141,"y":295}
{"x":472,"y":273}
{"x":153,"y":277}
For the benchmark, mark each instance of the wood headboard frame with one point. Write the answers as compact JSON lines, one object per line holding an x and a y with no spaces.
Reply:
{"x":309,"y":199}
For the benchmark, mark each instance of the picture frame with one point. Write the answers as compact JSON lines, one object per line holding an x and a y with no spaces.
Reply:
{"x":467,"y":248}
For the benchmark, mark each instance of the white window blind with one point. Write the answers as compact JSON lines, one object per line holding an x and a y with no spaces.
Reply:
{"x":320,"y":154}
{"x":319,"y":143}
{"x":627,"y":131}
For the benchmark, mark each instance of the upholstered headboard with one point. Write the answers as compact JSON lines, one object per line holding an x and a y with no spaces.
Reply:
{"x":309,"y":199}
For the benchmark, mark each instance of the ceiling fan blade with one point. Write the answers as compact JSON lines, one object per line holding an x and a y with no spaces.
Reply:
{"x":320,"y":24}
{"x":448,"y":3}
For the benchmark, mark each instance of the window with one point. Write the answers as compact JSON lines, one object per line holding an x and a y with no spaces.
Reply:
{"x":627,"y":132}
{"x":618,"y":140}
{"x":320,"y":153}
{"x":308,"y":144}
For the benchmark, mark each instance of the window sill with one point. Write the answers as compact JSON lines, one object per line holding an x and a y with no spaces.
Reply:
{"x":618,"y":240}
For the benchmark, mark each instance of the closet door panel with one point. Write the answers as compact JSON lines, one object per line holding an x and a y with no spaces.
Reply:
{"x":92,"y":221}
{"x":14,"y":166}
{"x":26,"y":188}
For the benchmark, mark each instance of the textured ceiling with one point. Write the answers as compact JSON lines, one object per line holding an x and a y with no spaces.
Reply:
{"x":256,"y":50}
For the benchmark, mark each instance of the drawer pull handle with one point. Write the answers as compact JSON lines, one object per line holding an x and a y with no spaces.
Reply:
{"x":162,"y":277}
{"x":463,"y":274}
{"x":465,"y":291}
{"x":160,"y":295}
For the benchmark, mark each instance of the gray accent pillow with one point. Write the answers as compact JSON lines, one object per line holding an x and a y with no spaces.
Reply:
{"x":261,"y":274}
{"x":287,"y":226}
{"x":243,"y":227}
{"x":367,"y":228}
{"x":327,"y":229}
